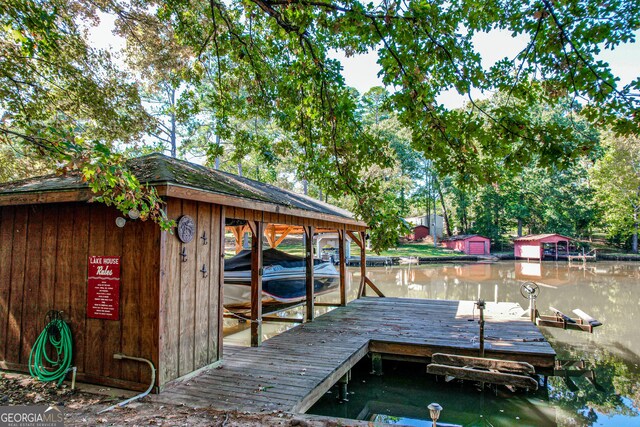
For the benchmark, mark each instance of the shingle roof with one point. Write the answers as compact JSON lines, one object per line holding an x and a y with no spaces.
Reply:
{"x":160,"y":169}
{"x":532,"y":237}
{"x":463,"y":237}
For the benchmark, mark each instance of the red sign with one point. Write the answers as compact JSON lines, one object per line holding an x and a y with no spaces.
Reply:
{"x":103,"y":293}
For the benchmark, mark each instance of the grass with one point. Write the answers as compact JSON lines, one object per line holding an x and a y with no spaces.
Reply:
{"x":403,"y":250}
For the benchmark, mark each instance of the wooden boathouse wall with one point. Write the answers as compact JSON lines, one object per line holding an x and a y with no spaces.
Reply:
{"x":43,"y":266}
{"x":190,"y":300}
{"x":171,"y":293}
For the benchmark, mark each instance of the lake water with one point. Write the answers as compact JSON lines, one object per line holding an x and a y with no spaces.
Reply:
{"x":608,"y":291}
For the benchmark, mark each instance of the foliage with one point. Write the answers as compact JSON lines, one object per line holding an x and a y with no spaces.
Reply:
{"x":66,"y":103}
{"x":267,"y":61}
{"x":616,"y":180}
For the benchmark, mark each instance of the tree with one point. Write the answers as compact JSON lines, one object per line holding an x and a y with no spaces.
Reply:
{"x":616,"y":179}
{"x":67,"y":104}
{"x":269,"y":60}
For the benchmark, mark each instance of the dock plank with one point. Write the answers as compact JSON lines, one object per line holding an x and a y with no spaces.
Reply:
{"x":291,"y":371}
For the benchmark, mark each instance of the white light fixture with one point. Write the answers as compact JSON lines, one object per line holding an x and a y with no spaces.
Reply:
{"x":120,"y":222}
{"x":434,"y":411}
{"x":134,"y":213}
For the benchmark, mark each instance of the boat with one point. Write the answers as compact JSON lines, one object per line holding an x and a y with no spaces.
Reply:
{"x":283,"y":278}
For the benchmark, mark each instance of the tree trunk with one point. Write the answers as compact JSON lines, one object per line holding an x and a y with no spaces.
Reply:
{"x":172,"y":136}
{"x":240,"y":168}
{"x":519,"y":227}
{"x":634,"y":238}
{"x":445,"y":215}
{"x":305,"y":187}
{"x":217,"y":161}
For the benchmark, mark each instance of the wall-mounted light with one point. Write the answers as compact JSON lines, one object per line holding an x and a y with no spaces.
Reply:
{"x":134,"y":213}
{"x":120,"y":222}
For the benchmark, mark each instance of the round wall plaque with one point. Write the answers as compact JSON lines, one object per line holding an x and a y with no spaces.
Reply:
{"x":186,"y":229}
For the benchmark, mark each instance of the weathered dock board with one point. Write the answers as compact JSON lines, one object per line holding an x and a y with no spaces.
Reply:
{"x":293,"y":370}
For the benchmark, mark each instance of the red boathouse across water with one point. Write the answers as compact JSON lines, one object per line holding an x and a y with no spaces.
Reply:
{"x":537,"y":246}
{"x":470,"y":244}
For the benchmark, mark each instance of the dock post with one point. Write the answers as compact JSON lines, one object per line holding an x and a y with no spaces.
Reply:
{"x":481,"y":305}
{"x":363,"y":264}
{"x":376,"y":364}
{"x":308,"y":231}
{"x":343,"y":270}
{"x":257,"y":228}
{"x":343,"y":390}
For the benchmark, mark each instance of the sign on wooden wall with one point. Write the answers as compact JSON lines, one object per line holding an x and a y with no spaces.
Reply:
{"x":103,"y":293}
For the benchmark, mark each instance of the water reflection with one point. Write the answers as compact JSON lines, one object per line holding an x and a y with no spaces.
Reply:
{"x":608,"y":291}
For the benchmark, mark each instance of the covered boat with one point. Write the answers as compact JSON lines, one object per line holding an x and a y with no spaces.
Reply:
{"x":283,"y":278}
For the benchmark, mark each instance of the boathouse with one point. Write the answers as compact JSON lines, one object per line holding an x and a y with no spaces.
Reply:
{"x":419,"y":232}
{"x":539,"y":246}
{"x":470,"y":244}
{"x":164,"y":299}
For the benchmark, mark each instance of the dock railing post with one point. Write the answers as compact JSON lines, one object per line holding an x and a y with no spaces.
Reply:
{"x":343,"y":269}
{"x":309,"y":230}
{"x":257,"y":228}
{"x":481,"y":306}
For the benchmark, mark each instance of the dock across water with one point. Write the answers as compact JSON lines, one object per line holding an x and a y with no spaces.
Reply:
{"x":291,"y":371}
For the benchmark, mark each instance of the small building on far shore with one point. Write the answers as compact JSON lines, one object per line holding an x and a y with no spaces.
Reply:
{"x":470,"y":244}
{"x":539,"y":246}
{"x":419,"y":232}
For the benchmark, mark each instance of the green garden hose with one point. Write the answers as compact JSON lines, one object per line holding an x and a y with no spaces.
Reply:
{"x":58,"y":335}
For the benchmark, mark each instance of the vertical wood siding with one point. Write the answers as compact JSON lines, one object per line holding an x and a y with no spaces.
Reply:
{"x":43,"y":266}
{"x":189,"y":301}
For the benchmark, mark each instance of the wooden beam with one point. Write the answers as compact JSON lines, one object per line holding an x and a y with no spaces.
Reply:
{"x":374,"y":287}
{"x":282,"y":319}
{"x":184,"y":192}
{"x":270,"y":234}
{"x":257,"y":229}
{"x":221,"y":242}
{"x":363,"y":266}
{"x":343,"y":267}
{"x":284,"y":234}
{"x":238,"y":233}
{"x":309,"y":273}
{"x":511,"y":366}
{"x":471,"y":374}
{"x":355,"y":239}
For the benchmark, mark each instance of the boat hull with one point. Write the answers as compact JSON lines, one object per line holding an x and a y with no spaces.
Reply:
{"x":283,"y":279}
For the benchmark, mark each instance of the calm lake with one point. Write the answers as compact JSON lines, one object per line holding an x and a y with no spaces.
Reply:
{"x":608,"y":291}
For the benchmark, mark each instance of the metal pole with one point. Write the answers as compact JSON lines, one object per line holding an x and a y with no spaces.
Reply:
{"x":481,"y":305}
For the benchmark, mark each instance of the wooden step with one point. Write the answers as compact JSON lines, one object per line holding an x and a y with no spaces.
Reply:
{"x":473,"y":374}
{"x":481,"y":362}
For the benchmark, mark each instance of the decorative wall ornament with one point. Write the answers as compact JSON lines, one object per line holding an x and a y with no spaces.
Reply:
{"x":186,"y":229}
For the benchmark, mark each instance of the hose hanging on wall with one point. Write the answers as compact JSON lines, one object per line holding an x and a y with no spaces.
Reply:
{"x":58,"y":335}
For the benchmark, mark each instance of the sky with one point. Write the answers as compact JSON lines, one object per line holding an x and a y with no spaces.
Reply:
{"x":361,"y":71}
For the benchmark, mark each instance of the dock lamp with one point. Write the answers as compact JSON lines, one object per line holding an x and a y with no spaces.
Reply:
{"x":434,"y":411}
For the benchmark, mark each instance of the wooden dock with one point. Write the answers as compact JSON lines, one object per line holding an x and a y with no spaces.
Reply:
{"x":291,"y":371}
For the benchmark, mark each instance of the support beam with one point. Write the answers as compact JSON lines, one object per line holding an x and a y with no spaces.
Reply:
{"x":284,"y":234}
{"x":309,"y":230}
{"x":343,"y":267}
{"x":270,"y":234}
{"x":363,"y":265}
{"x":222,"y":242}
{"x":238,"y":233}
{"x":257,"y":229}
{"x":374,"y":287}
{"x":355,"y":239}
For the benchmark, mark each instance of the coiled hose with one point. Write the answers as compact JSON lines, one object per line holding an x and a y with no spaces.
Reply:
{"x":58,"y":335}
